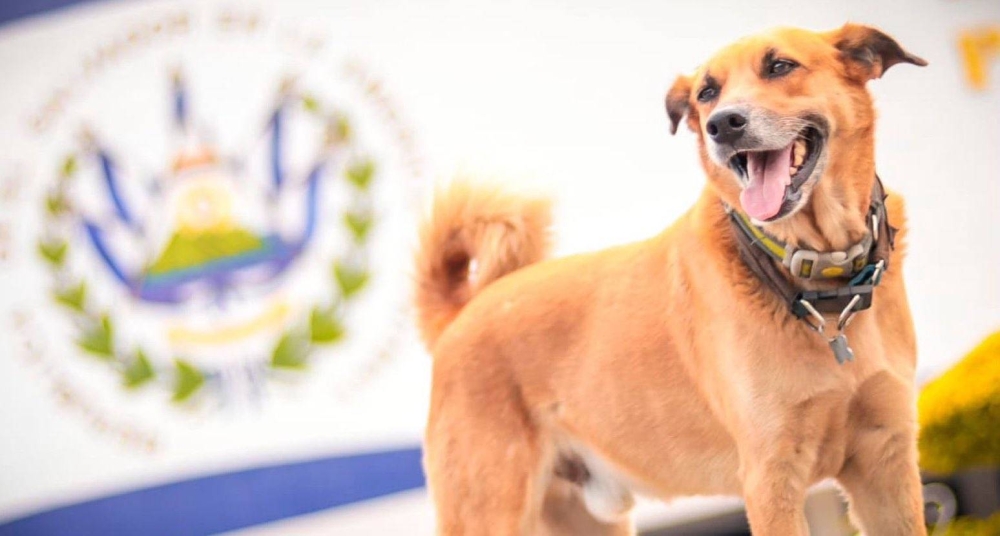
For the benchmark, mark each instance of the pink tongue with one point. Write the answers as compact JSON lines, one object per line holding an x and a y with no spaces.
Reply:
{"x":768,"y":172}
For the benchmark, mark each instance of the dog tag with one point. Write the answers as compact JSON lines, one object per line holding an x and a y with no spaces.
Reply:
{"x":841,"y":350}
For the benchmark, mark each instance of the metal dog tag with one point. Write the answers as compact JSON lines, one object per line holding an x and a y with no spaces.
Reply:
{"x":841,"y":350}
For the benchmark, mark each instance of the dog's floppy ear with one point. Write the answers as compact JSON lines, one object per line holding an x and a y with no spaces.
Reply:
{"x":868,"y":53}
{"x":677,"y":101}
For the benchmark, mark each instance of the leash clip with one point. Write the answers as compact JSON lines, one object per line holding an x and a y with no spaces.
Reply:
{"x":841,"y":349}
{"x":818,"y":322}
{"x":838,"y":343}
{"x":845,"y":301}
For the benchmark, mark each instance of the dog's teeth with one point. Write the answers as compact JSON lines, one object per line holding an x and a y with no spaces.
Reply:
{"x":798,"y":152}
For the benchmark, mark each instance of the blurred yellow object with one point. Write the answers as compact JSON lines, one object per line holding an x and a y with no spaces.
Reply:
{"x":960,"y":413}
{"x":970,"y":526}
{"x":979,"y":48}
{"x":275,"y":316}
{"x":205,"y":207}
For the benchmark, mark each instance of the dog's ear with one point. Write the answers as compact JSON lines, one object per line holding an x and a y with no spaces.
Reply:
{"x":868,"y":53}
{"x":677,"y":101}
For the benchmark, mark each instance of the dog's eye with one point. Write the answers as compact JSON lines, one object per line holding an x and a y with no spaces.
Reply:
{"x":708,"y":94}
{"x":780,"y":68}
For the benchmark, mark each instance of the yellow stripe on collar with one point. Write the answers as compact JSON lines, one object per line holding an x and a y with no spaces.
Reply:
{"x":776,"y":249}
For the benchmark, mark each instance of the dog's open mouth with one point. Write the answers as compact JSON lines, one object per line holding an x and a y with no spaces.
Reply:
{"x":772,"y":179}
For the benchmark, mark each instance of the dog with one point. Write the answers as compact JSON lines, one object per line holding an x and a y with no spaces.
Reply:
{"x":706,"y":360}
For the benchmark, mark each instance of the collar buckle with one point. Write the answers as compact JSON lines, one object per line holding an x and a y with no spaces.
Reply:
{"x":809,"y":264}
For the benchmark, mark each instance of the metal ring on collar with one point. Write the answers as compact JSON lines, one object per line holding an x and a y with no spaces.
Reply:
{"x":820,"y":321}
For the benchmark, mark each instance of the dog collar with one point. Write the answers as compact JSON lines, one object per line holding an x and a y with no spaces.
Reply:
{"x":805,"y":263}
{"x":864,"y":263}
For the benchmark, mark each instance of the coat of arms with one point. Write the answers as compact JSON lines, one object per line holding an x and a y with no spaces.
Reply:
{"x":201,"y":274}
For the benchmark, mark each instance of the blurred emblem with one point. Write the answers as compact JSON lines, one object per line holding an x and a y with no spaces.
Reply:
{"x":214,"y":271}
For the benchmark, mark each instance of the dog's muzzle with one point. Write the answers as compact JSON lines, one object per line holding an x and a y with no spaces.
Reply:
{"x":771,"y":156}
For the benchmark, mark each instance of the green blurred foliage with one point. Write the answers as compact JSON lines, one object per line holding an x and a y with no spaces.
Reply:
{"x":960,"y":413}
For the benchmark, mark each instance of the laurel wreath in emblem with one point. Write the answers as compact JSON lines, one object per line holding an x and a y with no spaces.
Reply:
{"x":97,"y":329}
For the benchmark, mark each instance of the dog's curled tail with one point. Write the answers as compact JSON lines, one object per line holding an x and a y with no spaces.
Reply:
{"x":473,"y":236}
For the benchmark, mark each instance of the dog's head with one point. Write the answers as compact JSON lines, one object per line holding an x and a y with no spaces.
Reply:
{"x":780,"y":116}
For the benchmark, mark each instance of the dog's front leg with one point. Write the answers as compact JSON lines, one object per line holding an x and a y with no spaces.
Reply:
{"x":775,"y":479}
{"x":881,"y":476}
{"x":883,"y":485}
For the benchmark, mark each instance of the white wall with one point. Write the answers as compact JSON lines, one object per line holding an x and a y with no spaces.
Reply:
{"x":563,"y":96}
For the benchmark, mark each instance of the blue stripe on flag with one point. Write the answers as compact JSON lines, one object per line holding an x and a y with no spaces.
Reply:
{"x":230,"y":501}
{"x":11,"y":10}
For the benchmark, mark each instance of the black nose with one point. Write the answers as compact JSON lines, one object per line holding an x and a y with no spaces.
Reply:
{"x":726,"y":126}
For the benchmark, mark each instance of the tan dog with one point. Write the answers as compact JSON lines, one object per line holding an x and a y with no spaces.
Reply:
{"x":668,"y":367}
